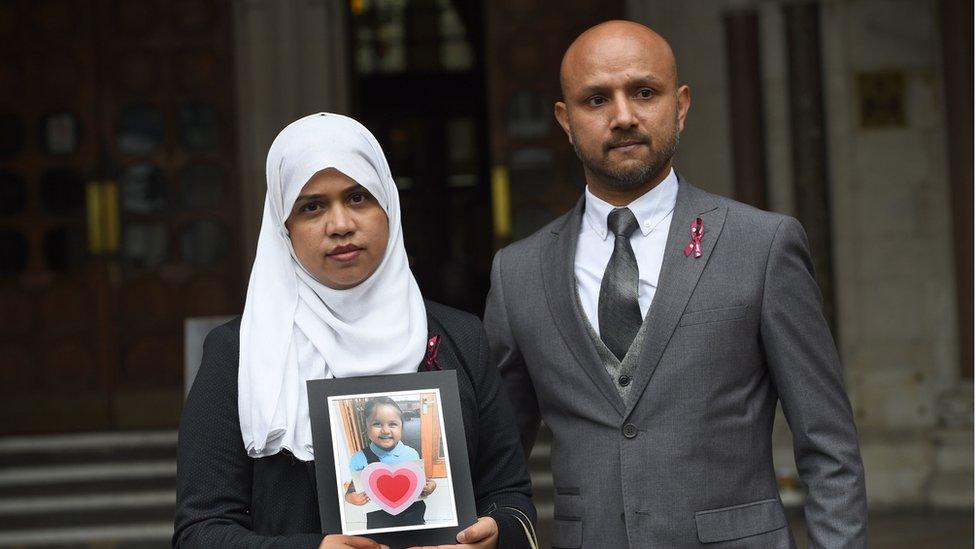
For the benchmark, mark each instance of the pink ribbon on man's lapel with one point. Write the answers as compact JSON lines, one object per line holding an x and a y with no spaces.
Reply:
{"x":430,"y":358}
{"x":697,"y":229}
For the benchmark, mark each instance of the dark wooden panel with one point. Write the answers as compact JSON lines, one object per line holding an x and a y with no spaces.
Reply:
{"x":53,"y":333}
{"x":526,"y":43}
{"x":90,"y":334}
{"x":175,"y":60}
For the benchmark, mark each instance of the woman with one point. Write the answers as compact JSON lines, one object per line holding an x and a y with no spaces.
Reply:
{"x":330,"y":295}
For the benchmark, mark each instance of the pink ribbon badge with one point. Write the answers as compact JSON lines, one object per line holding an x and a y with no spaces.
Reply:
{"x":430,"y":358}
{"x":697,"y":229}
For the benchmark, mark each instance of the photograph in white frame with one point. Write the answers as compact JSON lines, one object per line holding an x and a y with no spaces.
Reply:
{"x":392,"y":464}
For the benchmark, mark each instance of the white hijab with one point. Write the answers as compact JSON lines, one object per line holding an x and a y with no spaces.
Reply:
{"x":295,"y":328}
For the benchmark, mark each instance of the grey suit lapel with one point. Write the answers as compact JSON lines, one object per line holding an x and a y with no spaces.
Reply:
{"x":679,"y":276}
{"x":559,"y":278}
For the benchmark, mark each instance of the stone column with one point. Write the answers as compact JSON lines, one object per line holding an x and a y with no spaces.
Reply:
{"x":291,"y":59}
{"x":894,"y":277}
{"x":746,"y":106}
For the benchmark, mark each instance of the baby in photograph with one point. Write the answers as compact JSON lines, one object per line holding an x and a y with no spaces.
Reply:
{"x":384,"y":428}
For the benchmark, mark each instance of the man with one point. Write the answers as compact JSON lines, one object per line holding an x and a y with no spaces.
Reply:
{"x":655,"y":326}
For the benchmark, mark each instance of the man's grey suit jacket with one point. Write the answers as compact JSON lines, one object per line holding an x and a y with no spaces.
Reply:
{"x":687,"y":460}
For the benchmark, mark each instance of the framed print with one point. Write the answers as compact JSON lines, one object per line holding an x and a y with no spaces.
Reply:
{"x":391,"y":458}
{"x":60,"y":133}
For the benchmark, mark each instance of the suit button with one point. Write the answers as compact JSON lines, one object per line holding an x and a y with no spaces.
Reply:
{"x":624,"y":380}
{"x":630,"y":430}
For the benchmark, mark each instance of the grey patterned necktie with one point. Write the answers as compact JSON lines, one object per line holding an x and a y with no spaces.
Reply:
{"x":619,"y":311}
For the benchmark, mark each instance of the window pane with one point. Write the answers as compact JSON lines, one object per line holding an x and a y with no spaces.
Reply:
{"x":62,"y":191}
{"x":13,"y":194}
{"x":203,"y":243}
{"x":140,"y":130}
{"x":64,"y":249}
{"x":60,"y":133}
{"x":143,"y":189}
{"x":461,"y":152}
{"x":199,"y":127}
{"x":144,"y":245}
{"x":456,"y":53}
{"x":11,"y":135}
{"x":13,"y":251}
{"x":529,"y":115}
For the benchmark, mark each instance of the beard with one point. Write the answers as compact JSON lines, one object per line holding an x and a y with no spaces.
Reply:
{"x":624,"y":178}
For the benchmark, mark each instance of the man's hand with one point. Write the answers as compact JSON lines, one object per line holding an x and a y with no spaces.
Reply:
{"x":429,"y":487}
{"x":480,"y":535}
{"x":336,"y":541}
{"x":357,"y":498}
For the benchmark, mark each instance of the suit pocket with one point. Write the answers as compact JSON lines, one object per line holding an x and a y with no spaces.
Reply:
{"x":567,"y":527}
{"x":713,"y":315}
{"x":739,"y":521}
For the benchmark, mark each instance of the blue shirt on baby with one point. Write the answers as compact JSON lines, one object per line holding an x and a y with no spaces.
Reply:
{"x":400,"y":452}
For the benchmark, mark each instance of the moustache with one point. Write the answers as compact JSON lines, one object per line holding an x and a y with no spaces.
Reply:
{"x":626,"y":140}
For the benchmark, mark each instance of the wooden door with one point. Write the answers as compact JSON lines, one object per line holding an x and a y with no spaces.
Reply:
{"x":116,"y":128}
{"x":53,"y":295}
{"x":435,"y":466}
{"x":167,"y":117}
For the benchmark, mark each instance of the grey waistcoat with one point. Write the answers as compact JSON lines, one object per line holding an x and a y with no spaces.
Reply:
{"x":615,"y":367}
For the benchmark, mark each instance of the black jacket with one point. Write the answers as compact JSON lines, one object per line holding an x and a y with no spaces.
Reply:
{"x":226,"y":499}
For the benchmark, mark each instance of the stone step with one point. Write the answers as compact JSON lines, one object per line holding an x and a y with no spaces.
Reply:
{"x":51,"y":474}
{"x":82,"y":495}
{"x":83,"y":487}
{"x":87,"y":441}
{"x":86,"y":478}
{"x":88,"y":490}
{"x":111,"y":516}
{"x":20,"y":506}
{"x":87,"y":456}
{"x":117,"y":489}
{"x":144,"y":535}
{"x":87,"y":448}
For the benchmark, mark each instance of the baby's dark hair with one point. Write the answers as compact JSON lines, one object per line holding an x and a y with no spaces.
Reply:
{"x":372,"y":403}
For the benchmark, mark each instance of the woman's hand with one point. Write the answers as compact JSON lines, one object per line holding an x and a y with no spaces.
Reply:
{"x":480,"y":535}
{"x":357,"y":498}
{"x":335,"y":541}
{"x":429,"y":487}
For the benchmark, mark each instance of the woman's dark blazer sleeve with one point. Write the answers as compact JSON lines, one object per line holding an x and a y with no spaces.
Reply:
{"x":501,"y":481}
{"x":214,"y":476}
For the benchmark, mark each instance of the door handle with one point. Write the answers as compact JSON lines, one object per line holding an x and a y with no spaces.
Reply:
{"x":501,"y":204}
{"x":93,"y":207}
{"x":102,"y":205}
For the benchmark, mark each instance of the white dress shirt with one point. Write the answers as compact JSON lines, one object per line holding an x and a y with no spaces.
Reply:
{"x":653,"y":211}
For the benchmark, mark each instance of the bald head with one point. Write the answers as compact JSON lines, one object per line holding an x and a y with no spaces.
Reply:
{"x":622,"y":43}
{"x":622,"y":108}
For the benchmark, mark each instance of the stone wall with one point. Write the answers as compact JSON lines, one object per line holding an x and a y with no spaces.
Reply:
{"x":896,"y":291}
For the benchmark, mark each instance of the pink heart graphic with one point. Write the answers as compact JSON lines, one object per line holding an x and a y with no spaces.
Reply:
{"x":393,"y":487}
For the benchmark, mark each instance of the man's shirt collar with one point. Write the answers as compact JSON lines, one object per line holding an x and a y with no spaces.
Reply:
{"x":650,"y":208}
